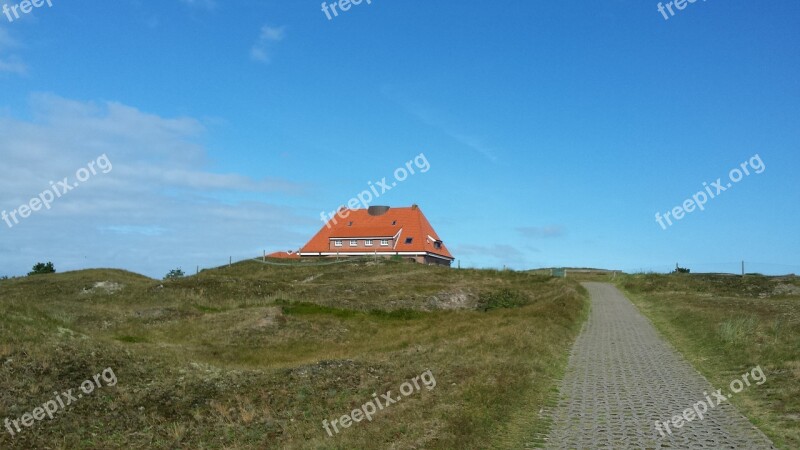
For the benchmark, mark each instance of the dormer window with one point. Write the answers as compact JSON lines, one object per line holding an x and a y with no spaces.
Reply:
{"x":350,"y":224}
{"x":394,"y":222}
{"x":337,"y":243}
{"x":353,"y":243}
{"x":409,"y":241}
{"x":437,"y":245}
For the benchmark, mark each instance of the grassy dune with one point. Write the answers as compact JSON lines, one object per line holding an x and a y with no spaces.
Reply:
{"x":725,"y":325}
{"x":256,"y":356}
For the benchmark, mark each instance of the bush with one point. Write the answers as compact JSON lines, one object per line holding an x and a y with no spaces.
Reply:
{"x":174,"y":274}
{"x":504,"y":298}
{"x":42,"y":268}
{"x":398,"y":314}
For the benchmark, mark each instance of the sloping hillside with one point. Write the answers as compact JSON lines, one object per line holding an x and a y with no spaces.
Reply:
{"x":257,"y":356}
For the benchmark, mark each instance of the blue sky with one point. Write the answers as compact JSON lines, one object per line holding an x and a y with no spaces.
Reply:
{"x":554,"y":130}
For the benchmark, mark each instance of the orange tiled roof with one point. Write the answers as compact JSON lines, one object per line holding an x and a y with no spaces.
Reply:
{"x":284,"y":255}
{"x":359,"y":224}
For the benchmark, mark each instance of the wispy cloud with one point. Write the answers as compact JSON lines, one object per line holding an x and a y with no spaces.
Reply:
{"x":162,"y":205}
{"x":10,"y":63}
{"x":132,"y":229}
{"x":13,"y":65}
{"x":6,"y":41}
{"x":546,"y":232}
{"x":262,"y":49}
{"x":473,"y":143}
{"x":433,"y":118}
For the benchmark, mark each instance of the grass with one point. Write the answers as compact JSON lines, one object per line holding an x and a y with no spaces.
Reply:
{"x":726,"y":325}
{"x":131,"y":339}
{"x":504,"y":298}
{"x":256,"y":356}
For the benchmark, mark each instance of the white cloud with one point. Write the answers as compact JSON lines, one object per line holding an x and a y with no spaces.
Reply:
{"x":262,"y":49}
{"x":161,"y":206}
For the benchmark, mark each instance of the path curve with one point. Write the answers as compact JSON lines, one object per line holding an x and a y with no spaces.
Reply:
{"x":622,"y":377}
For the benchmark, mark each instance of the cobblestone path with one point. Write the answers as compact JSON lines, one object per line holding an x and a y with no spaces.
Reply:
{"x":622,"y":377}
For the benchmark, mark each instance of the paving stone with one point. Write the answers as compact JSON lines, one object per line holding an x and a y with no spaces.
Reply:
{"x":622,"y":377}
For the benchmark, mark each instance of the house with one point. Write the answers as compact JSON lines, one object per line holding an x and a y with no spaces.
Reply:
{"x":380,"y":231}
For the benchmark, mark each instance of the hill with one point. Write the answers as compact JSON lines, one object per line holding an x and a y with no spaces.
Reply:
{"x":257,"y":355}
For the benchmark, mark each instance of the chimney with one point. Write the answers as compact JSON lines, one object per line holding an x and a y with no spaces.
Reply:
{"x":378,"y":210}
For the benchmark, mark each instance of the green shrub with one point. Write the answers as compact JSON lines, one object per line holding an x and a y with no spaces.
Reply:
{"x":174,"y":274}
{"x":42,"y":268}
{"x":131,"y":339}
{"x":305,"y":309}
{"x":398,"y":314}
{"x":504,"y":298}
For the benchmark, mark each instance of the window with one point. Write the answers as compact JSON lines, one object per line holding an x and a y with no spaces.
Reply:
{"x":349,"y":224}
{"x":384,"y":242}
{"x":409,"y":241}
{"x":368,"y":242}
{"x":394,"y":222}
{"x":437,"y":244}
{"x":353,"y":243}
{"x":337,"y":243}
